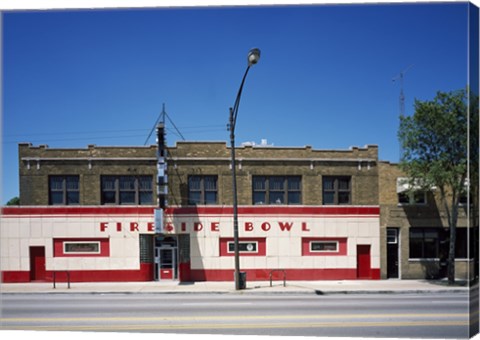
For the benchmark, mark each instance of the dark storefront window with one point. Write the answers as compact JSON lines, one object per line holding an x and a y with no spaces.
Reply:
{"x":433,"y":243}
{"x":424,"y":243}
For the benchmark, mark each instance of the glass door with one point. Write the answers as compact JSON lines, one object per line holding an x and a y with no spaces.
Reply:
{"x":167,"y":263}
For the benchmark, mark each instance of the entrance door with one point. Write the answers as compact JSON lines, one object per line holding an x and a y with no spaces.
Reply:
{"x":37,"y":263}
{"x":392,"y":253}
{"x":168,"y":263}
{"x":363,"y":262}
{"x":166,"y":258}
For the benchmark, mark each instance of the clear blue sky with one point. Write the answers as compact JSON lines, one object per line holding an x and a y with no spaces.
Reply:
{"x":73,"y":78}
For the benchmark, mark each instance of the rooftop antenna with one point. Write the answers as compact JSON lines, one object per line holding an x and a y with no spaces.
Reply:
{"x":161,"y":119}
{"x":402,"y":95}
{"x":400,"y":77}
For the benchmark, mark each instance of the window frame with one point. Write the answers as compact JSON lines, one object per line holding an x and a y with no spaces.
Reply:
{"x":68,"y":252}
{"x":120,"y":186}
{"x":335,"y":251}
{"x":424,"y":243}
{"x":393,"y":233}
{"x":336,"y":190}
{"x":270,"y":191}
{"x":64,"y":190}
{"x":60,"y":248}
{"x":202,"y":191}
{"x":231,"y":247}
{"x":411,"y":196}
{"x":341,"y":246}
{"x":226,"y":242}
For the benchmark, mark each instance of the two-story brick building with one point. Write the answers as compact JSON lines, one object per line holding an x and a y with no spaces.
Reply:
{"x":415,"y":232}
{"x":311,"y":214}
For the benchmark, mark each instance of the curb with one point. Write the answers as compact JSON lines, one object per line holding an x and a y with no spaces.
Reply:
{"x":245,"y":292}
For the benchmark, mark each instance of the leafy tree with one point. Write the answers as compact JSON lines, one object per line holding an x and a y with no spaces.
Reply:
{"x":435,"y":153}
{"x":14,"y":201}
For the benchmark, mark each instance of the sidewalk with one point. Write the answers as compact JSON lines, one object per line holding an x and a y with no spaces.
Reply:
{"x":254,"y":287}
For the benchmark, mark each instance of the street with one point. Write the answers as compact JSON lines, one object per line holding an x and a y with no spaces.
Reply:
{"x":430,"y":315}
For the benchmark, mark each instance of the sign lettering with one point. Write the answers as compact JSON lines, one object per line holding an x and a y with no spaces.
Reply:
{"x":196,"y":227}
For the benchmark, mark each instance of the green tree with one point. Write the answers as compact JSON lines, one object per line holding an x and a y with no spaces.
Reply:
{"x":14,"y":201}
{"x":435,"y":154}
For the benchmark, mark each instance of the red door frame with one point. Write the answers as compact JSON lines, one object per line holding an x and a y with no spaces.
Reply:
{"x":37,"y":264}
{"x":363,"y":262}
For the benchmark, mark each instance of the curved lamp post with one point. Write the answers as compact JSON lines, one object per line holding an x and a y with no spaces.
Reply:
{"x":252,"y":58}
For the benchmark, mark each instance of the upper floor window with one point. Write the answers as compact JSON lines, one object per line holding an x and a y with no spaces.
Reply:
{"x":410,"y":194}
{"x":277,"y":190}
{"x":134,"y":190}
{"x":413,"y":197}
{"x":202,"y":190}
{"x":64,"y":190}
{"x":336,"y":190}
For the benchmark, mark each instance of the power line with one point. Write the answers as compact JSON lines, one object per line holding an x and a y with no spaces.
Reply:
{"x":69,"y":133}
{"x":71,"y":139}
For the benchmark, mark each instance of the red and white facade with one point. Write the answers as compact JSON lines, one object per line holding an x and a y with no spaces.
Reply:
{"x":102,"y":243}
{"x":34,"y":241}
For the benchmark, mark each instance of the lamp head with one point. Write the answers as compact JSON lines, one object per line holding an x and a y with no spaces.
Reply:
{"x":253,"y":56}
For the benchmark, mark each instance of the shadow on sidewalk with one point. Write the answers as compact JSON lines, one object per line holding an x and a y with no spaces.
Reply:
{"x":444,"y":283}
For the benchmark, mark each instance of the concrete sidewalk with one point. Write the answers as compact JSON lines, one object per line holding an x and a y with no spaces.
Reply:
{"x":254,"y":287}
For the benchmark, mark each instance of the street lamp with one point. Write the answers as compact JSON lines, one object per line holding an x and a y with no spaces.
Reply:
{"x":252,"y":58}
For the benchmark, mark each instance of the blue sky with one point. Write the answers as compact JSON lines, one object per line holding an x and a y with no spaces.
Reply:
{"x":78,"y":77}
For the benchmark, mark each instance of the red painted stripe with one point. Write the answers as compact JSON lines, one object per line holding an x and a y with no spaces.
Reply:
{"x":291,"y":274}
{"x":145,"y":273}
{"x":276,"y":210}
{"x":77,"y":210}
{"x":203,"y":210}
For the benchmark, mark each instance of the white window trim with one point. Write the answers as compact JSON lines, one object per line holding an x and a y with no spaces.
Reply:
{"x":243,"y":251}
{"x":65,"y":243}
{"x":396,"y":236}
{"x":404,"y":185}
{"x":324,"y":251}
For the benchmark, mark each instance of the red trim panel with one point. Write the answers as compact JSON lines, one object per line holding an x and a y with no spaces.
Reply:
{"x":260,"y":241}
{"x":275,"y":210}
{"x":291,"y":274}
{"x":184,"y":272}
{"x":200,"y":210}
{"x":78,"y":210}
{"x":342,"y":246}
{"x":145,"y":273}
{"x":15,"y":276}
{"x":58,"y":247}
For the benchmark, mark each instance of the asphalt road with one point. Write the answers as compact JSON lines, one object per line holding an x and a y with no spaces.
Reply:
{"x":371,"y":315}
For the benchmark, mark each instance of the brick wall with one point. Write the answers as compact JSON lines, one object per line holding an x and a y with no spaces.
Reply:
{"x":191,"y":158}
{"x":36,"y":164}
{"x":403,"y":217}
